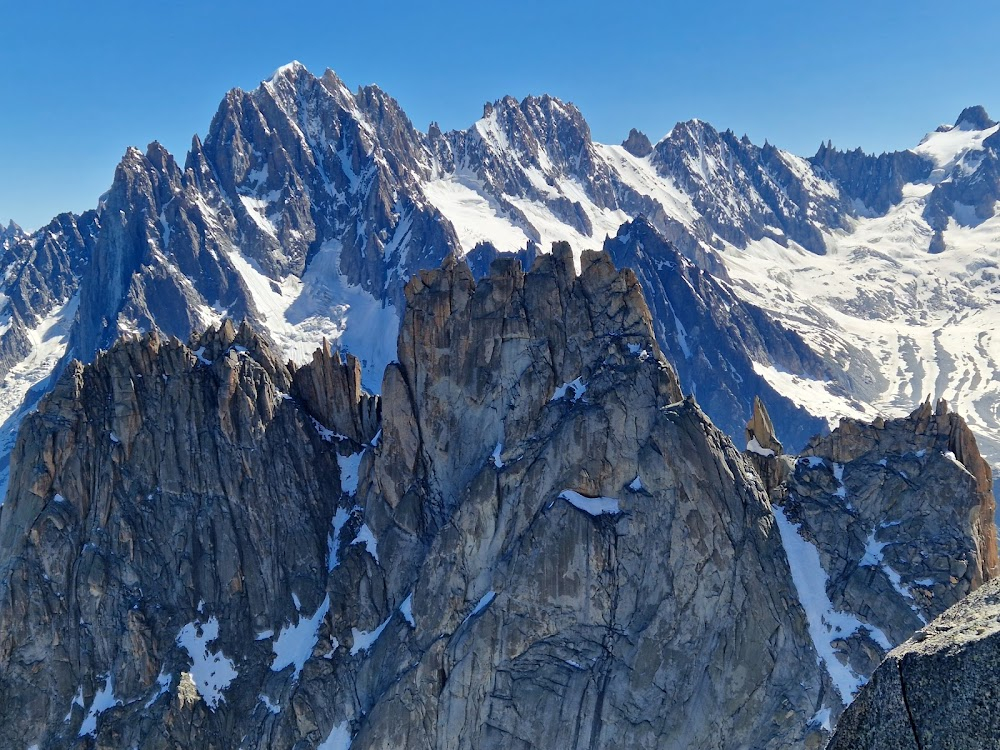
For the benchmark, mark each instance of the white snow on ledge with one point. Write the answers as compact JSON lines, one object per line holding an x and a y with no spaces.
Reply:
{"x":349,"y":468}
{"x":495,"y":456}
{"x":875,"y":558}
{"x":367,"y":538}
{"x":406,"y":610}
{"x":482,"y":604}
{"x":578,"y":387}
{"x":825,"y":623}
{"x":162,"y":687}
{"x":754,"y":447}
{"x":338,"y":739}
{"x":594,"y":506}
{"x":365,"y":639}
{"x":103,"y":700}
{"x":340,"y":519}
{"x":821,"y":719}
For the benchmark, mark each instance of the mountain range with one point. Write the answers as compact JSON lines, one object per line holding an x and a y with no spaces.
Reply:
{"x":861,"y":284}
{"x":344,"y":434}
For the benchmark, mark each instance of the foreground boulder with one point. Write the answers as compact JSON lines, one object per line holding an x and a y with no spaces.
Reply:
{"x":937,"y":690}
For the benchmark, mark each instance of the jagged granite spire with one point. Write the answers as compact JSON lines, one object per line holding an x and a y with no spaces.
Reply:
{"x":637,"y":143}
{"x":760,"y":431}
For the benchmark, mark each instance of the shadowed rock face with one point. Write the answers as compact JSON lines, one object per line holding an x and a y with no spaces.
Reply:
{"x":713,"y":338}
{"x":531,"y":540}
{"x":937,"y":690}
{"x":637,"y":144}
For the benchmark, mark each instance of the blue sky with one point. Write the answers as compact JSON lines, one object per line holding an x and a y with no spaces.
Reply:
{"x":79,"y":82}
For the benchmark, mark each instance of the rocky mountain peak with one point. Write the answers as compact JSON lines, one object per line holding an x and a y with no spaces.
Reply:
{"x":974,"y":118}
{"x":529,"y":509}
{"x":11,"y":231}
{"x":486,"y":340}
{"x":288,"y":71}
{"x":928,"y":427}
{"x":637,"y":144}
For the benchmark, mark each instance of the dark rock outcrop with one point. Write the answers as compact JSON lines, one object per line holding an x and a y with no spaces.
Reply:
{"x":937,"y":690}
{"x":874,"y":182}
{"x":637,"y":144}
{"x":862,"y":496}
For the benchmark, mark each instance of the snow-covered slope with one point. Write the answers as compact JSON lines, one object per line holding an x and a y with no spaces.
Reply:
{"x":924,"y":305}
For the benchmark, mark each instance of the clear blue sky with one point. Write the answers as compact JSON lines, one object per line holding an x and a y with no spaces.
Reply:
{"x":82,"y":81}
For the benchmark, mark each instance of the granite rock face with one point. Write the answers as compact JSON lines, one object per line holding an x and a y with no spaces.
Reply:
{"x":900,"y":515}
{"x":760,"y":432}
{"x":531,"y":539}
{"x":937,"y":690}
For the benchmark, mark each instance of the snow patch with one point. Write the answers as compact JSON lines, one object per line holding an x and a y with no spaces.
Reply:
{"x":163,"y":687}
{"x":578,"y":387}
{"x":212,"y":671}
{"x":349,"y":472}
{"x":77,"y":701}
{"x":338,"y":739}
{"x":340,"y":519}
{"x":754,"y":447}
{"x":295,"y":643}
{"x":367,"y":538}
{"x":594,"y":506}
{"x":300,"y":313}
{"x":103,"y":700}
{"x":482,"y":604}
{"x":274,"y":708}
{"x":825,"y":623}
{"x":475,"y":215}
{"x":406,"y":610}
{"x":821,"y":719}
{"x":875,"y":558}
{"x":365,"y":639}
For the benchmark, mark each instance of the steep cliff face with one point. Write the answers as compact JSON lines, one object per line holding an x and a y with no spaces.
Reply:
{"x":570,"y":473}
{"x":161,"y":495}
{"x":530,"y":539}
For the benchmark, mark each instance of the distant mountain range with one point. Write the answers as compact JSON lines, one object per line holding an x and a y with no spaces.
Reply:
{"x":844,"y":284}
